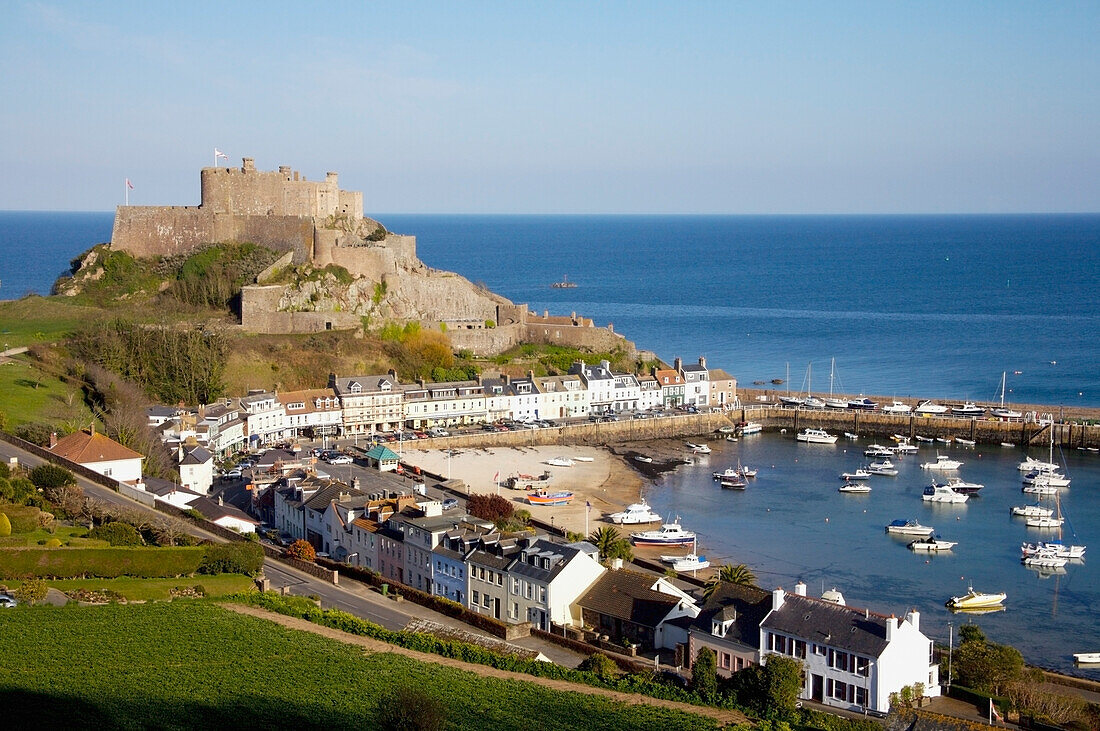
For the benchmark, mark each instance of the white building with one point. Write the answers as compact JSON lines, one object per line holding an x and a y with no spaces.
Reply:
{"x":443,"y":404}
{"x":600,"y":383}
{"x":196,"y":466}
{"x":545,"y":580}
{"x":264,"y":419}
{"x":315,"y":412}
{"x":224,"y":515}
{"x":853,"y":658}
{"x":225,"y":427}
{"x":650,"y":394}
{"x":696,"y":382}
{"x":562,"y":397}
{"x":99,"y":453}
{"x":369,"y":404}
{"x":628,"y":393}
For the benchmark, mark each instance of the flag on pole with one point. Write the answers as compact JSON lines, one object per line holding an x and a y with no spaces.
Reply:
{"x":993,"y":712}
{"x":496,"y":476}
{"x":218,"y":153}
{"x":588,"y":506}
{"x":129,"y":185}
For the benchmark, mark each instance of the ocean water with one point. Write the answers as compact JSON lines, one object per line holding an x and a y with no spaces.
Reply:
{"x":933,"y":306}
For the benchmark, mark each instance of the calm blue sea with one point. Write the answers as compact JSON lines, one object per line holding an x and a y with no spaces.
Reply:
{"x":935,"y":306}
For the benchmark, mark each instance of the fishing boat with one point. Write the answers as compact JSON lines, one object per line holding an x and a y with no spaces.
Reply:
{"x":698,"y":448}
{"x":735,"y":481}
{"x":858,"y":474}
{"x":564,"y":283}
{"x":943,"y":462}
{"x":816,"y":436}
{"x":690,"y":562}
{"x":542,"y":497}
{"x":669,"y":534}
{"x":560,"y":462}
{"x":746,"y":471}
{"x":976,"y":600}
{"x":909,"y":528}
{"x":931,"y":545}
{"x":904,"y":447}
{"x":962,"y":486}
{"x":636,"y":514}
{"x":929,"y":408}
{"x":942,"y":494}
{"x":1032,"y":511}
{"x":862,"y":404}
{"x":749,"y":427}
{"x":1002,"y":412}
{"x":885,"y":467}
{"x":854,"y":487}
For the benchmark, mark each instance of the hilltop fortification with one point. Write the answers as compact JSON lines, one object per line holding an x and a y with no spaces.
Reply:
{"x":317,"y":225}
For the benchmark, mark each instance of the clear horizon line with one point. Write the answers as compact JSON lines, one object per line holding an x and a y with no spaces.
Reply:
{"x":630,"y":214}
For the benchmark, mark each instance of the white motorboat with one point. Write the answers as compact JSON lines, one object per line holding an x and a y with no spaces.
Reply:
{"x":813,"y":402}
{"x":931,"y":545}
{"x":746,"y":471}
{"x":855,"y":487}
{"x":965,"y":442}
{"x":669,"y":534}
{"x":897,"y":407}
{"x":1054,"y":479}
{"x":816,"y":436}
{"x":943,"y":462}
{"x":943,"y":440}
{"x":904,"y":447}
{"x":976,"y":600}
{"x":885,"y":467}
{"x":942,"y":494}
{"x":1056,"y":547}
{"x":750,"y":427}
{"x":877,"y":450}
{"x":850,"y":435}
{"x":1032,"y":511}
{"x":560,"y":462}
{"x":929,"y":408}
{"x":1086,"y":658}
{"x":836,"y":403}
{"x":1044,"y":560}
{"x":690,"y":562}
{"x":909,"y":528}
{"x":960,"y":485}
{"x":1040,"y":489}
{"x":1046,"y":522}
{"x":698,"y":448}
{"x":1008,"y":445}
{"x":968,"y":410}
{"x":643,"y":459}
{"x":636,"y":514}
{"x":1033,"y":465}
{"x":926,"y":440}
{"x":858,"y":474}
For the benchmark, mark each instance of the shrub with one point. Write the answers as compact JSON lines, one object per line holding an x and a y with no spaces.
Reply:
{"x":599,"y":664}
{"x":117,"y":534}
{"x":31,"y":591}
{"x":704,"y":675}
{"x":490,"y":507}
{"x":5,"y":525}
{"x":51,"y":475}
{"x":5,"y":488}
{"x":232,"y":558}
{"x":53,"y":543}
{"x":410,"y":708}
{"x":302,"y":550}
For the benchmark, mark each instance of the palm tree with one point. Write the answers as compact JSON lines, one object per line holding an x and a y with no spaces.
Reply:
{"x":610,"y":544}
{"x":727,"y":574}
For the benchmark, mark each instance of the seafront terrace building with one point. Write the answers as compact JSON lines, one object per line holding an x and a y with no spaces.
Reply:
{"x":314,"y":412}
{"x":369,"y":404}
{"x":443,"y":404}
{"x":696,"y":382}
{"x":723,"y":389}
{"x":672,"y":387}
{"x":600,"y":383}
{"x":264,"y":419}
{"x":628,"y":393}
{"x":562,"y":397}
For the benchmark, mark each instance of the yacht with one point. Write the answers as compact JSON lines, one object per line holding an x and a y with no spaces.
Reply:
{"x":929,"y":408}
{"x":862,"y":404}
{"x":1032,"y":511}
{"x":816,"y":436}
{"x":897,"y":407}
{"x":942,"y":494}
{"x":975,"y":600}
{"x":1056,"y":547}
{"x":854,"y":487}
{"x":960,"y":485}
{"x":1040,"y":477}
{"x":931,"y":545}
{"x":885,"y":467}
{"x":909,"y":528}
{"x":1031,"y":465}
{"x":943,"y":462}
{"x":968,"y":410}
{"x":635,"y":514}
{"x":669,"y":534}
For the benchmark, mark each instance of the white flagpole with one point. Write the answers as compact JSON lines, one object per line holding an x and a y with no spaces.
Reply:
{"x":126,"y":191}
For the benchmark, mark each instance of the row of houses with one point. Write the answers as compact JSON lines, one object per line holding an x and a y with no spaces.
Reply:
{"x":372,"y":404}
{"x":853,"y":658}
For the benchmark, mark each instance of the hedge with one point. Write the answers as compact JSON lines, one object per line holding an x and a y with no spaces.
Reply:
{"x":107,"y":563}
{"x":465,"y":651}
{"x":979,"y":698}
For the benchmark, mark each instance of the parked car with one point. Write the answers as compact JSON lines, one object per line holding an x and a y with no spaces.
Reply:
{"x":233,"y":474}
{"x":340,"y":459}
{"x":450,"y":503}
{"x":7,"y":602}
{"x":435,"y":431}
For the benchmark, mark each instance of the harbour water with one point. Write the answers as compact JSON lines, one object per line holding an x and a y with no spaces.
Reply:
{"x":791,"y":523}
{"x":934,"y":306}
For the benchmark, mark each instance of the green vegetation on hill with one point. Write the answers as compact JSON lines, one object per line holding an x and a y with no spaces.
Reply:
{"x":195,"y":665}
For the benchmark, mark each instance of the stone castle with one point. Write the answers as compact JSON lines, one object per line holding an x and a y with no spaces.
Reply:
{"x":315,"y":223}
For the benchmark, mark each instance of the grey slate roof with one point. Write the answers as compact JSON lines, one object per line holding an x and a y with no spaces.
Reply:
{"x":211,"y":510}
{"x":746,"y":605}
{"x":625,"y":594}
{"x":161,"y":487}
{"x":816,"y":620}
{"x":529,"y":562}
{"x":198,"y":455}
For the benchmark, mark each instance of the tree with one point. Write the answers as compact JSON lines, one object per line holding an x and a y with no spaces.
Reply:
{"x":738,"y":574}
{"x":302,"y":550}
{"x":599,"y":664}
{"x":704,"y":675}
{"x":610,"y":544}
{"x":117,"y":534}
{"x":49,"y":476}
{"x":971,"y":633}
{"x":782,"y":685}
{"x":490,"y":507}
{"x":987,"y":666}
{"x":31,"y":591}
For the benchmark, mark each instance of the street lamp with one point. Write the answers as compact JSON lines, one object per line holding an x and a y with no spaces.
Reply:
{"x":347,"y":560}
{"x":950,"y":647}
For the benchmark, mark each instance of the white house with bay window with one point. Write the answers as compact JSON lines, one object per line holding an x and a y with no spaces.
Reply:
{"x":852,"y":658}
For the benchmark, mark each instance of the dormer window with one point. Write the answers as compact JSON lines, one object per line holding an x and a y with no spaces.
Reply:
{"x":355,"y":387}
{"x":719,"y":628}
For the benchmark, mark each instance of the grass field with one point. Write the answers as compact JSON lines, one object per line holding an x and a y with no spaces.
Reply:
{"x":30,"y":395}
{"x":195,"y":665}
{"x":151,"y":589}
{"x":34,"y":320}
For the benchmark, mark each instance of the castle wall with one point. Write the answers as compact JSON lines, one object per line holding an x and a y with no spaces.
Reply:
{"x":281,"y":233}
{"x":484,"y":341}
{"x":250,"y":192}
{"x":260,"y":313}
{"x":146,"y":231}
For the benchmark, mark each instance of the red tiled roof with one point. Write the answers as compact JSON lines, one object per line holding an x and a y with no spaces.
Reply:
{"x":88,"y":447}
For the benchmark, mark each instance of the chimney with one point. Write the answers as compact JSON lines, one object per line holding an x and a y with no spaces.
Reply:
{"x":180,"y":458}
{"x":800,"y":588}
{"x":913,"y":617}
{"x":777,"y":598}
{"x":248,"y":164}
{"x":702,"y":361}
{"x":531,"y":375}
{"x":678,"y":364}
{"x":355,"y":483}
{"x":504,"y":378}
{"x":220,"y":501}
{"x":616,"y":564}
{"x":53,"y":439}
{"x":393,"y":374}
{"x":891,"y":627}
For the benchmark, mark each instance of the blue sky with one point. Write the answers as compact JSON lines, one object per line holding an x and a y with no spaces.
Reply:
{"x":519,"y":107}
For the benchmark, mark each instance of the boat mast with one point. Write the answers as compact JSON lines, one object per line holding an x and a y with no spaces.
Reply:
{"x":832,"y":368}
{"x":1004,"y":374}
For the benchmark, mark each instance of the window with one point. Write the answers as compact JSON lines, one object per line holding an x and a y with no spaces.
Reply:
{"x":485,"y":600}
{"x":725,"y":661}
{"x":513,"y":611}
{"x":515,"y":585}
{"x":475,"y":596}
{"x":542,"y":594}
